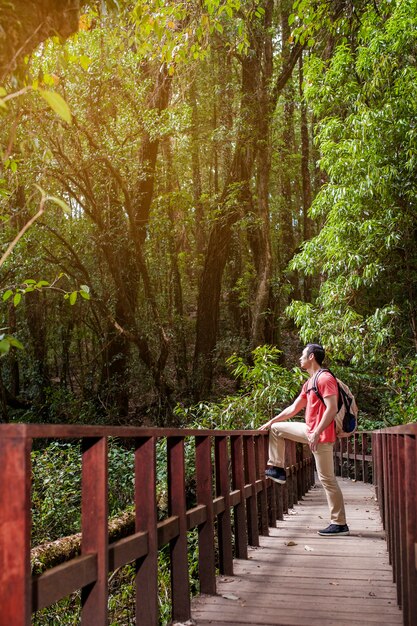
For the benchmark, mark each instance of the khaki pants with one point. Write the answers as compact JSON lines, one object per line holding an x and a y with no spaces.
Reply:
{"x":297,"y":431}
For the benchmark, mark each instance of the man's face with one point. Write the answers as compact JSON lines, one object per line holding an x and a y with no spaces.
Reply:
{"x":304,"y":359}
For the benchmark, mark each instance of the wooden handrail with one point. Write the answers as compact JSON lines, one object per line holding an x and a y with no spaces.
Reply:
{"x":234,"y":481}
{"x":389,"y":455}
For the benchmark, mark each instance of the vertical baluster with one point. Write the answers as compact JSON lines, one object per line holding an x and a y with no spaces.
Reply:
{"x":224,"y":523}
{"x":348,"y":453}
{"x":146,"y":521}
{"x":206,"y":554}
{"x":380,"y":475}
{"x":271,"y":492}
{"x":94,"y":513}
{"x":241,"y":538}
{"x":410,"y":482}
{"x":355,"y":456}
{"x":402,"y":551}
{"x":251,"y":502}
{"x":15,"y":505}
{"x":391,"y":511}
{"x":289,"y":445}
{"x":299,"y":465}
{"x":260,"y":474}
{"x":395,"y":514}
{"x":180,"y":586}
{"x":364,"y":461}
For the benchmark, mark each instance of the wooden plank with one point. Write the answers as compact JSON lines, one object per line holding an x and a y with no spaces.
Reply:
{"x":206,"y":553}
{"x":94,"y":523}
{"x":146,"y":520}
{"x":239,"y":513}
{"x":15,"y":520}
{"x":180,"y":584}
{"x":306,"y":581}
{"x":224,"y":522}
{"x":60,"y":581}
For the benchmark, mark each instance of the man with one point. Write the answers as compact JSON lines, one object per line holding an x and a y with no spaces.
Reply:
{"x":318,"y":431}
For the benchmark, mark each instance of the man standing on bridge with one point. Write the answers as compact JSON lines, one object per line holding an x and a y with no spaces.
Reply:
{"x":318,"y":431}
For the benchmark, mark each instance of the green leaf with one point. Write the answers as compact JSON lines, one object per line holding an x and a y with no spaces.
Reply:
{"x":57,"y":104}
{"x":17,"y":298}
{"x":85,"y":288}
{"x":15,"y":343}
{"x":85,"y":295}
{"x":42,"y":283}
{"x":7,"y":294}
{"x":73,"y":298}
{"x":291,"y":19}
{"x":4,"y":346}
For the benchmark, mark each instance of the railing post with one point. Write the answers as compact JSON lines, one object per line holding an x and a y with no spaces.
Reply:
{"x":355,"y":455}
{"x":364,"y":461}
{"x":251,"y":502}
{"x":410,"y":481}
{"x":146,"y":521}
{"x":241,"y":538}
{"x":395,"y":516}
{"x":15,"y":519}
{"x":180,"y":585}
{"x":260,"y":475}
{"x":206,"y":554}
{"x":224,"y":523}
{"x":402,"y":551}
{"x":94,"y":515}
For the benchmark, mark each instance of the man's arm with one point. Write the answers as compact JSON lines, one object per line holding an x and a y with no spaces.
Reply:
{"x":328,"y":416}
{"x":298,"y":404}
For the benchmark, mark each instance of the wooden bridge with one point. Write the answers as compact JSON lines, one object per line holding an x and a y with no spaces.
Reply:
{"x":258,"y":536}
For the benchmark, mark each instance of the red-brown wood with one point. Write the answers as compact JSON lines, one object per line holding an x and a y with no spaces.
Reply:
{"x":15,"y":584}
{"x":206,"y":553}
{"x":394,"y":474}
{"x":146,"y":520}
{"x":239,"y":515}
{"x":402,"y":552}
{"x":94,"y":515}
{"x":180,"y":585}
{"x":251,"y":502}
{"x":260,"y":474}
{"x":224,"y":522}
{"x":355,"y":455}
{"x":410,"y":481}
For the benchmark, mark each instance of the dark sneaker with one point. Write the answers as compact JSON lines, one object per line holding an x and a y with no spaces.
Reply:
{"x":334,"y":530}
{"x":277,"y":474}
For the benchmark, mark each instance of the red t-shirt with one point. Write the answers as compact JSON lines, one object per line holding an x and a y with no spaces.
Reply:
{"x":315,"y":408}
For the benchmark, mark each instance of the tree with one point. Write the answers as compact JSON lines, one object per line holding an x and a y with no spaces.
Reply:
{"x":364,"y":97}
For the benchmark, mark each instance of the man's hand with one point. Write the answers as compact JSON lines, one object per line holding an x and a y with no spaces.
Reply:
{"x":265,"y":426}
{"x":313,"y":440}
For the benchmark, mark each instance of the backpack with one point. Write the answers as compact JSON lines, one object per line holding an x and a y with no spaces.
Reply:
{"x":346,"y":418}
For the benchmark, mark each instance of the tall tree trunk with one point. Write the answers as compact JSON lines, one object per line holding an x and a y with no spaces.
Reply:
{"x":264,"y":248}
{"x":235,"y":198}
{"x":196,"y":171}
{"x":305,"y":175}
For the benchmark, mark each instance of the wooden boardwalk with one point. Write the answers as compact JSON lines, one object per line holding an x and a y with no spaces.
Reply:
{"x":298,"y":578}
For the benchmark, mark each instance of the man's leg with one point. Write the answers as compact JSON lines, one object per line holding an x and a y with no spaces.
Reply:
{"x":296,"y":431}
{"x":325,"y":471}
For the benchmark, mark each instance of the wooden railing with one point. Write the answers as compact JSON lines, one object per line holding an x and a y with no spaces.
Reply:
{"x":229,"y":467}
{"x":353,"y":457}
{"x":395,"y":461}
{"x":388,"y":457}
